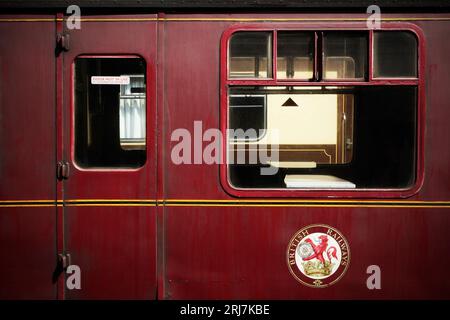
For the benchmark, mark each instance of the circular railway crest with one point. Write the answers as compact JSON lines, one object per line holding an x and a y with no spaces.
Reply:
{"x":318,"y":256}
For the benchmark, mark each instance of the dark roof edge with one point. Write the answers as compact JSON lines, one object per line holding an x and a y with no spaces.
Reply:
{"x":89,"y":7}
{"x":224,"y":4}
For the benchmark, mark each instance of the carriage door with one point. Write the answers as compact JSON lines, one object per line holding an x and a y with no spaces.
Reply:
{"x":108,"y":157}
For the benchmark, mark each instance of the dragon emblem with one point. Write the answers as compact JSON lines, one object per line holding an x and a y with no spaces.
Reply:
{"x":318,"y":255}
{"x":318,"y":251}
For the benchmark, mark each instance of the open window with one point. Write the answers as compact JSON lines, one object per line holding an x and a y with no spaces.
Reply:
{"x":110,"y":112}
{"x":331,"y":123}
{"x":365,"y":136}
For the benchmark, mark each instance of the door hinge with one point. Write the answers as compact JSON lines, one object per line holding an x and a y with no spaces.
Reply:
{"x":62,"y":42}
{"x":64,"y":260}
{"x":62,"y":170}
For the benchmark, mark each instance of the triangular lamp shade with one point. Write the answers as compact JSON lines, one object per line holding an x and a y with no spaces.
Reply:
{"x":289,"y":103}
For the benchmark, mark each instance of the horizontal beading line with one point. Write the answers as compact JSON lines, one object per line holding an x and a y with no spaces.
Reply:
{"x":225,"y":203}
{"x":222,"y":19}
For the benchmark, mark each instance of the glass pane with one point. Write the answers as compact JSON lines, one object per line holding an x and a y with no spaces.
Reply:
{"x":250,"y":55}
{"x":295,"y":55}
{"x":345,"y":55}
{"x":395,"y":54}
{"x":110,"y":112}
{"x":247,"y":112}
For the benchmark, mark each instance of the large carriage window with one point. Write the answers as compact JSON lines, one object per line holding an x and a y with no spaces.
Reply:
{"x":110,"y":112}
{"x":353,"y":133}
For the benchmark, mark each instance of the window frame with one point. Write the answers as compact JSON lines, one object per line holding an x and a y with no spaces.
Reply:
{"x":372,"y":62}
{"x":419,"y":82}
{"x":270,"y":52}
{"x":314,"y":62}
{"x":72,"y":113}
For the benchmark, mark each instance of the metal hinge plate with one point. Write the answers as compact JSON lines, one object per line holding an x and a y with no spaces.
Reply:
{"x":62,"y":170}
{"x":62,"y":42}
{"x":64,"y":260}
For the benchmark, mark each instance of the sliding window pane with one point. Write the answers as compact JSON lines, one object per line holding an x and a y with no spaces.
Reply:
{"x":345,"y":55}
{"x":250,"y":55}
{"x":295,"y":55}
{"x":248,"y":115}
{"x":395,"y":54}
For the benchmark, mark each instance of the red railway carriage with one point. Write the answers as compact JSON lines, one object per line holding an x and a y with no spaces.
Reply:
{"x":165,"y":151}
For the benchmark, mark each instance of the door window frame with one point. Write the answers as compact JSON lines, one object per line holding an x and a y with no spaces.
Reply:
{"x":72,"y":112}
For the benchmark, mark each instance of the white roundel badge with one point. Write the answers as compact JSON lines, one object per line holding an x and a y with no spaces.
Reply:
{"x":318,"y":256}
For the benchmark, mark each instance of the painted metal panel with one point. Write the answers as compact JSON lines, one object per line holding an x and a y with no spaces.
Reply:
{"x":236,"y":248}
{"x":241,"y":253}
{"x":27,"y":160}
{"x":211,"y":244}
{"x":114,"y":245}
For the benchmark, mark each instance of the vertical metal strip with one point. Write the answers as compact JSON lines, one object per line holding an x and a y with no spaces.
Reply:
{"x":370,"y":49}
{"x":160,"y":158}
{"x":275,"y":55}
{"x":318,"y":56}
